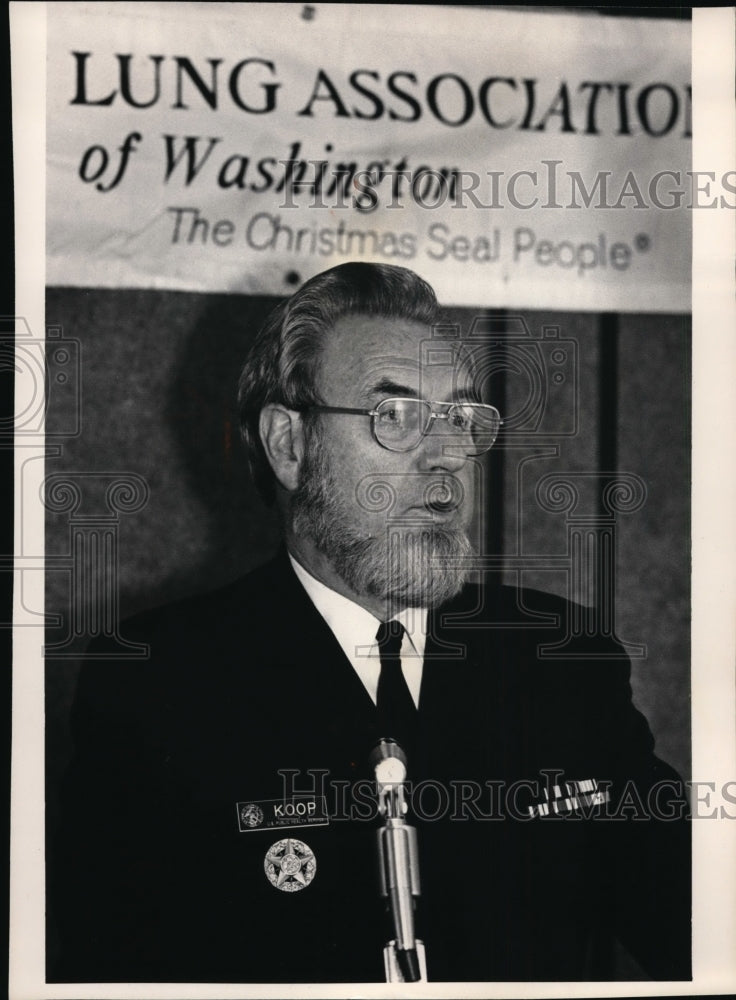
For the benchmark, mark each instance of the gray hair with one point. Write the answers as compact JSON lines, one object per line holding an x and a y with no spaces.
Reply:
{"x":282,"y":364}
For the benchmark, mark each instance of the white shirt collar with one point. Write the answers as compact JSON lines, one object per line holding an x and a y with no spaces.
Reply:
{"x":355,"y":629}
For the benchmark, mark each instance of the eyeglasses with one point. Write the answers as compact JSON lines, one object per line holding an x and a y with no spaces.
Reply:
{"x":400,"y":424}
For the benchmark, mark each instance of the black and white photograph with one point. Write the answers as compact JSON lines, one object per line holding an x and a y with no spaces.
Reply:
{"x":359,"y":587}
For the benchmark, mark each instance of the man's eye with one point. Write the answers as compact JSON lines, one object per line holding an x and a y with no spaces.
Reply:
{"x":390,"y":415}
{"x":459,"y":420}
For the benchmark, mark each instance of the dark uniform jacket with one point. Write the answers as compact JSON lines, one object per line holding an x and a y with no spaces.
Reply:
{"x":547,"y":828}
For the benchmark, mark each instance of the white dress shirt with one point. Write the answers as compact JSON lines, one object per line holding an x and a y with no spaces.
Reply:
{"x":355,"y":629}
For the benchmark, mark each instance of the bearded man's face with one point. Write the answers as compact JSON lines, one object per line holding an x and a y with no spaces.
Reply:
{"x":392,"y":524}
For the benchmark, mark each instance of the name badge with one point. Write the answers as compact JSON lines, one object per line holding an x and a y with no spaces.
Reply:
{"x":273,"y":814}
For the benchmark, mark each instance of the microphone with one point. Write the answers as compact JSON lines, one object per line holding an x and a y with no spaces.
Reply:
{"x":398,"y":863}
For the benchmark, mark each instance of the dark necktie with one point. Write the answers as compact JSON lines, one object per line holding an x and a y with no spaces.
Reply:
{"x":397,"y":713}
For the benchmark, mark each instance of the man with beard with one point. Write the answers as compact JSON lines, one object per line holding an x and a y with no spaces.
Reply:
{"x":219,"y":819}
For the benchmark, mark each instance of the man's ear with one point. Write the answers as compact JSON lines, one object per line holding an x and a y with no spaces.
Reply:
{"x":282,"y":435}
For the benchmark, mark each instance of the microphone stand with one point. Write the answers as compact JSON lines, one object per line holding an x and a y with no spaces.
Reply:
{"x":404,"y":957}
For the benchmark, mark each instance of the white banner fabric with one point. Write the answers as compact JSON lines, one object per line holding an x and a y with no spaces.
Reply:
{"x":514,"y":159}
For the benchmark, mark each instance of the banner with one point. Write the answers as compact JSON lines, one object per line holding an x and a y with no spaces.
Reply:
{"x":514,"y":159}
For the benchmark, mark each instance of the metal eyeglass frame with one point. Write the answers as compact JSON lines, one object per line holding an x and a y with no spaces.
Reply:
{"x":433,"y":415}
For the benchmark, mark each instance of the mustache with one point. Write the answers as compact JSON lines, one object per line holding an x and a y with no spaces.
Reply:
{"x":445,"y":495}
{"x":378,"y":492}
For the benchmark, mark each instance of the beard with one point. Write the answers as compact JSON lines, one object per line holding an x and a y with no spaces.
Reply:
{"x":420,"y":566}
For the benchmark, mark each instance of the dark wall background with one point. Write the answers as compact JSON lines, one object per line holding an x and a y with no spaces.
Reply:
{"x":154,"y":396}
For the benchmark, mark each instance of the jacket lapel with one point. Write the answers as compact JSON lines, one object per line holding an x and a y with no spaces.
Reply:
{"x":309,"y":657}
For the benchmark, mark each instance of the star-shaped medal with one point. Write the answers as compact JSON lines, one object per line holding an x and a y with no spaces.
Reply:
{"x":290,"y":865}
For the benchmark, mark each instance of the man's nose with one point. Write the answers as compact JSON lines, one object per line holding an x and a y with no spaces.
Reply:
{"x":442,"y":448}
